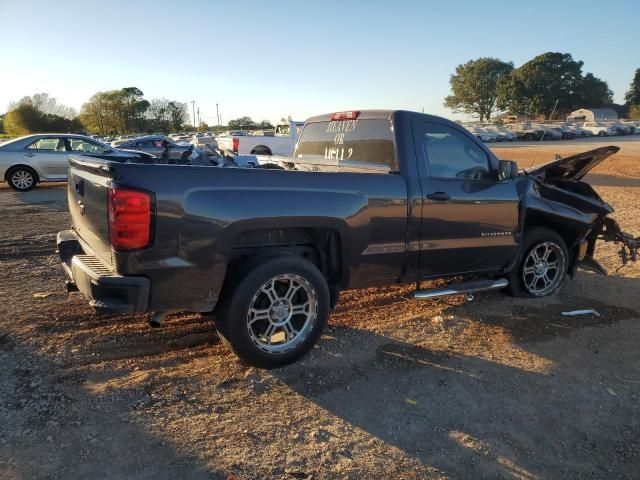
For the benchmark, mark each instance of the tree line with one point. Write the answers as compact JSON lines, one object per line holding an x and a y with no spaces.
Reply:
{"x":549,"y":85}
{"x":105,"y":113}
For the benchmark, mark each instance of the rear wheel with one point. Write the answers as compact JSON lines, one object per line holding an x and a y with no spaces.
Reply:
{"x":528,"y":137}
{"x":601,"y":133}
{"x":22,"y":179}
{"x":274,"y":312}
{"x":542,"y":267}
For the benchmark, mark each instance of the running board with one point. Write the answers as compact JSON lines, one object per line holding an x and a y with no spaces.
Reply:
{"x":462,"y":288}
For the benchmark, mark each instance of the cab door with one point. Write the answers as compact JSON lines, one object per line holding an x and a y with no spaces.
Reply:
{"x":469,"y":217}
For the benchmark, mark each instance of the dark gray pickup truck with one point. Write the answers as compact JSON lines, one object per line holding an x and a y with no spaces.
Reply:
{"x":369,"y":198}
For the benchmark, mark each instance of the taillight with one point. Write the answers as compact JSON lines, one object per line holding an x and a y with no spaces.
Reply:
{"x":129,"y":219}
{"x":345,"y":116}
{"x":236,"y":144}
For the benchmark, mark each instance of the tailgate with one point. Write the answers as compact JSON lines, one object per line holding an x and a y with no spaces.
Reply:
{"x":87,"y":192}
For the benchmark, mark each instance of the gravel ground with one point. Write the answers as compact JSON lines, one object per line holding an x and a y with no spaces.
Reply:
{"x":496,"y":388}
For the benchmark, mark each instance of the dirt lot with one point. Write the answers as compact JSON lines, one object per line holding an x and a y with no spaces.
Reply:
{"x":496,"y":388}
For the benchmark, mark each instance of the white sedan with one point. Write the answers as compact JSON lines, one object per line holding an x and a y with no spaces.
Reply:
{"x":599,"y":129}
{"x":26,"y":161}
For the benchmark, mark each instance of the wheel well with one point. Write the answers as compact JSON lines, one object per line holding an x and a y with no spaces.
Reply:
{"x":260,"y":147}
{"x":569,"y":233}
{"x":12,"y":168}
{"x":321,"y":246}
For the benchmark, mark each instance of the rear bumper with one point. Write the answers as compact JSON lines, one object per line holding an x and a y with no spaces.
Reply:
{"x":106,"y":291}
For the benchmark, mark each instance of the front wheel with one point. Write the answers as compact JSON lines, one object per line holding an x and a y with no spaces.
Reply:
{"x":543,"y":265}
{"x":274,"y":312}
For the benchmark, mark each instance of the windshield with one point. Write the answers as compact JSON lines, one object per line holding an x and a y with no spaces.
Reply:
{"x":349,"y":141}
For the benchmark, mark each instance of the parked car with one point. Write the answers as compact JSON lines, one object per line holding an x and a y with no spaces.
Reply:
{"x":504,"y":134}
{"x":579,"y":131}
{"x":154,"y":144}
{"x":567,"y":132}
{"x":599,"y":129}
{"x":282,"y":143}
{"x":550,"y":133}
{"x":396,"y":197}
{"x":621,"y":128}
{"x":26,"y":161}
{"x":482,"y":134}
{"x":525,"y":131}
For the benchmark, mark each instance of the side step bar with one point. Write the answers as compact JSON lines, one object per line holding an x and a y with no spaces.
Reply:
{"x":462,"y":288}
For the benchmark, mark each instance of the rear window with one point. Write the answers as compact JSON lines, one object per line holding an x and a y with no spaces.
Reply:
{"x":358,"y":144}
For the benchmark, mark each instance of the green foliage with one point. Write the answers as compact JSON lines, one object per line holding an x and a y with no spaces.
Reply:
{"x":534,"y":88}
{"x":265,"y":124}
{"x":474,"y":86}
{"x":593,"y":92}
{"x":242,"y":122}
{"x":127,"y":111}
{"x":633,"y":95}
{"x":47,"y":105}
{"x":634,"y":112}
{"x":178,"y":113}
{"x":25,"y":119}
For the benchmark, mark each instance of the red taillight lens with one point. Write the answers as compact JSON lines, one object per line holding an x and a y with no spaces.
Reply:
{"x":129,"y":219}
{"x":345,"y":116}
{"x":236,"y":144}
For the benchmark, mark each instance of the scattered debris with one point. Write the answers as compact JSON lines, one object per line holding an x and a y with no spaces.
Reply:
{"x":611,"y":392}
{"x":573,"y":313}
{"x":410,"y":401}
{"x":42,"y":294}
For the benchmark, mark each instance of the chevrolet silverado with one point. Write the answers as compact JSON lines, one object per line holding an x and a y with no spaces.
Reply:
{"x":369,"y":198}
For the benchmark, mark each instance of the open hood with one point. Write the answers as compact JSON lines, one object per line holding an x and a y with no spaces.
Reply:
{"x":574,"y":167}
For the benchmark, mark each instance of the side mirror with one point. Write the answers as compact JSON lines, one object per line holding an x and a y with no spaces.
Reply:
{"x":507,"y":169}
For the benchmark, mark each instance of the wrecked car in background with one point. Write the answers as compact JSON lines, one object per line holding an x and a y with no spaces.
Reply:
{"x":369,"y":198}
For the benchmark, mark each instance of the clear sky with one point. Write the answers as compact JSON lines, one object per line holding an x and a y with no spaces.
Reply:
{"x":271,"y":59}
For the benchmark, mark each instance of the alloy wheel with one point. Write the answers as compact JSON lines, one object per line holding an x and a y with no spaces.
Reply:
{"x":282,"y":313}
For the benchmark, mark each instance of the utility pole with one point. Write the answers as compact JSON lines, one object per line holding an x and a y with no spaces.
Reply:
{"x":199,"y":122}
{"x":218,"y":114}
{"x":193,"y":107}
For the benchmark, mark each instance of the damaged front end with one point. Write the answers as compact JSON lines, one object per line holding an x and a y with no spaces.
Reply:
{"x":560,"y":195}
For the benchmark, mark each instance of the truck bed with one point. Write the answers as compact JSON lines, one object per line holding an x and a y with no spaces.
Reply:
{"x":200,"y":212}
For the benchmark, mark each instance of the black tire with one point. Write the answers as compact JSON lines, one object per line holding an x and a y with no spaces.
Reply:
{"x":246,"y":288}
{"x":22,"y":178}
{"x":601,"y":133}
{"x":261,"y":151}
{"x":523,"y":284}
{"x":528,"y":137}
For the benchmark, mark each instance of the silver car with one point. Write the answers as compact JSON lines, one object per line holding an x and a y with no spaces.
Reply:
{"x":26,"y":161}
{"x":153,"y":144}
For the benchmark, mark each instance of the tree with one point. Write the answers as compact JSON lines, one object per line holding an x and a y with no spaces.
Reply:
{"x":634,"y":112}
{"x":105,"y":113}
{"x":535,"y":87}
{"x":135,"y":108}
{"x":25,"y":119}
{"x":178,"y":114}
{"x":46,"y":104}
{"x":242,"y":122}
{"x":632,"y":97}
{"x":160,"y":115}
{"x":265,"y":124}
{"x":474,"y":86}
{"x":594,"y":93}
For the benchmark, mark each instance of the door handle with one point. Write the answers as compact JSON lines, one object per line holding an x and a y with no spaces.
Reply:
{"x":439,"y":196}
{"x":29,"y":154}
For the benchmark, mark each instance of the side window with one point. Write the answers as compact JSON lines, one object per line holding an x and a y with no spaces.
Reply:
{"x":83,"y":146}
{"x":48,"y":145}
{"x":451,"y":154}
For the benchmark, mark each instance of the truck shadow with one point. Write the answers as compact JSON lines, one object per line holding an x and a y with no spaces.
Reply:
{"x":544,"y":409}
